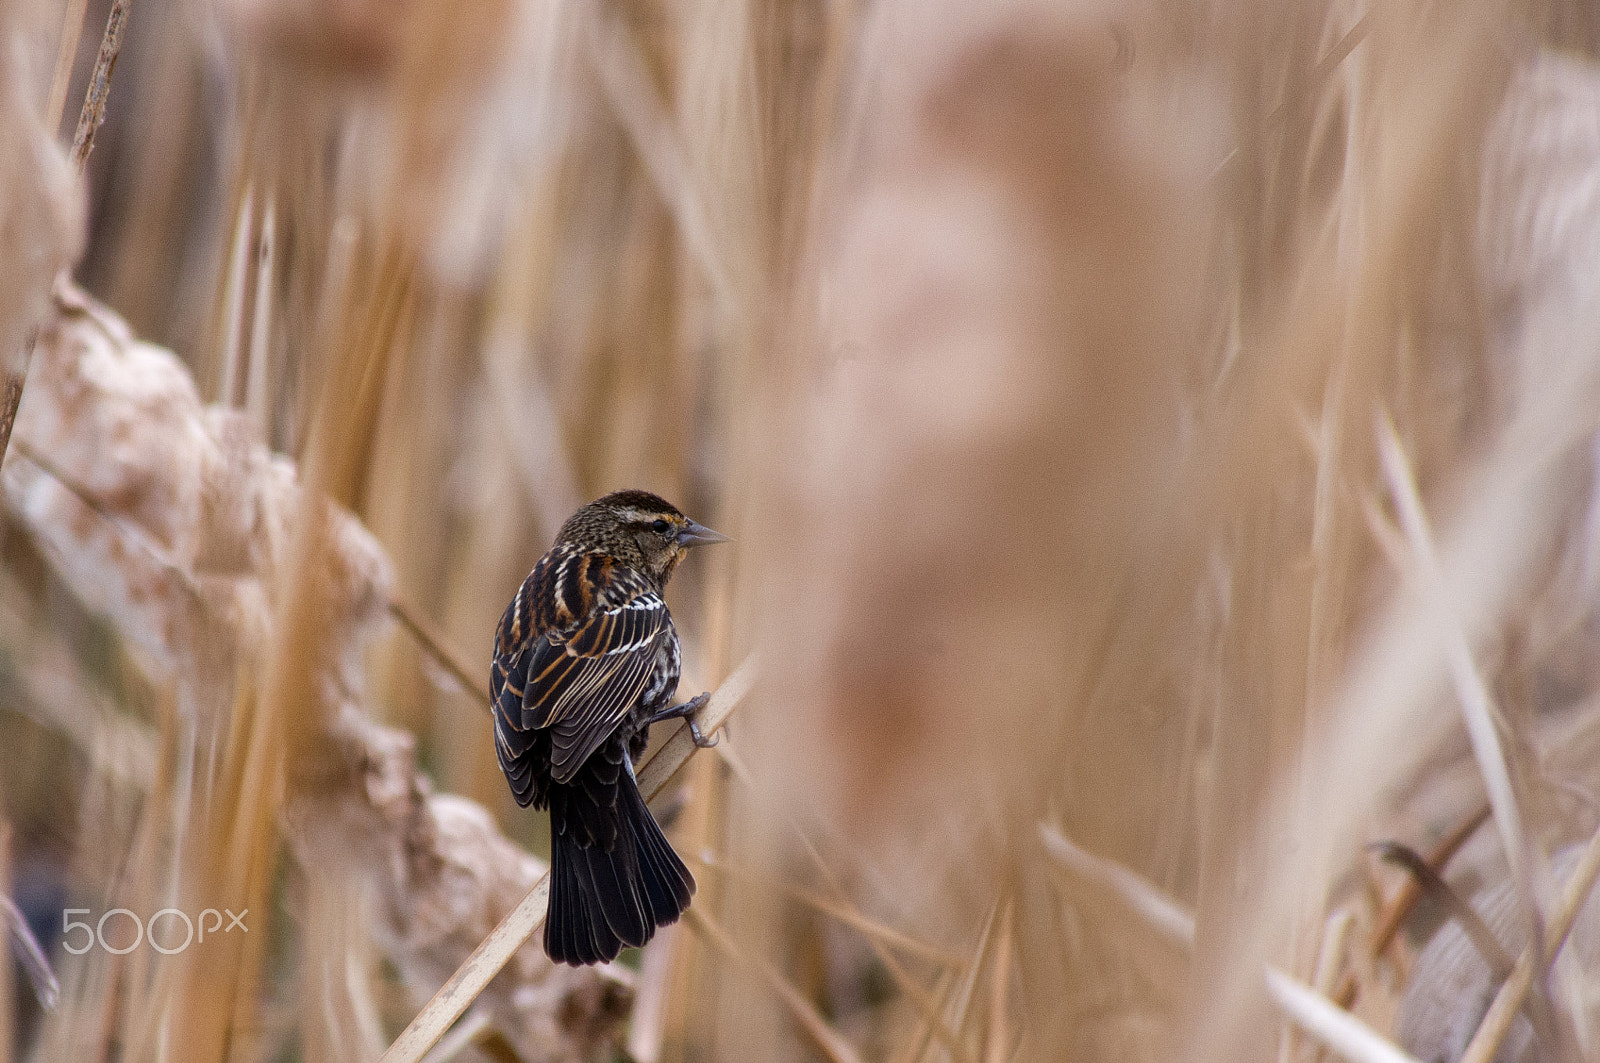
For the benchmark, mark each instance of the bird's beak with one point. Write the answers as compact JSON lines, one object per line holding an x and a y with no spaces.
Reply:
{"x":699,"y":535}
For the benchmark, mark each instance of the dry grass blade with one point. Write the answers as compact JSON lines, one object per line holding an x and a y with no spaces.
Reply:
{"x":879,"y":938}
{"x":232,"y":297}
{"x":457,"y":994}
{"x":627,"y":84}
{"x":829,"y":1040}
{"x":849,"y":916}
{"x":1477,"y":706}
{"x":1508,"y":1001}
{"x":433,"y":640}
{"x":999,"y":988}
{"x":1331,"y":1024}
{"x":30,"y":956}
{"x":256,"y":377}
{"x":916,"y":1045}
{"x":1151,"y":905}
{"x":963,"y":994}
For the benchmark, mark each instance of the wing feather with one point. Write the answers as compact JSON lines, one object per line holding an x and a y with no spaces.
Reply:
{"x":508,"y":678}
{"x":582,"y":683}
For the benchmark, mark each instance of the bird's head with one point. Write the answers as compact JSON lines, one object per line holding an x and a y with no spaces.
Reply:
{"x":642,"y":530}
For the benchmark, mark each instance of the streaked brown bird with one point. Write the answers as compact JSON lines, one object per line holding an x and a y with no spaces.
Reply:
{"x":586,"y":659}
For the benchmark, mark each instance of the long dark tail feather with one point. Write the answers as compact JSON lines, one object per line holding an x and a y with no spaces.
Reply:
{"x":601,"y":901}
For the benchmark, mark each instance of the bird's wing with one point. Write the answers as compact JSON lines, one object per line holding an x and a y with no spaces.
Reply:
{"x":508,"y":680}
{"x":582,"y":687}
{"x":582,"y":681}
{"x":574,"y":651}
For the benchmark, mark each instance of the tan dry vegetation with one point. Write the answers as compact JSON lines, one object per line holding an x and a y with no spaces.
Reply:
{"x":1158,"y":436}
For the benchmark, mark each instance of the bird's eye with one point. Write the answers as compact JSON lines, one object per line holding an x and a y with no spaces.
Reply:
{"x":660,"y":527}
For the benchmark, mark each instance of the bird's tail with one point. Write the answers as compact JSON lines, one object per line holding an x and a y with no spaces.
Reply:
{"x":601,"y":901}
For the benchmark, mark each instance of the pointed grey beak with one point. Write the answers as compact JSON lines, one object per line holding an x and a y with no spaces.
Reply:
{"x":699,"y":535}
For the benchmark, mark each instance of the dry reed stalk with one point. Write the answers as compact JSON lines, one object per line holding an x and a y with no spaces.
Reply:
{"x":433,"y":640}
{"x":1538,"y":141}
{"x":1331,"y":1024}
{"x":915,"y":1046}
{"x":151,"y":184}
{"x":30,"y":957}
{"x":1400,"y":242}
{"x":232,"y":298}
{"x":999,"y":1021}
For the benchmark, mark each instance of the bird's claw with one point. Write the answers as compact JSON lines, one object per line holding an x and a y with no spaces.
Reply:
{"x":700,"y":740}
{"x":691,"y":709}
{"x":687,"y":711}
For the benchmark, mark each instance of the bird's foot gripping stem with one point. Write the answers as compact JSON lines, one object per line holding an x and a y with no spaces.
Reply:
{"x":687,"y":711}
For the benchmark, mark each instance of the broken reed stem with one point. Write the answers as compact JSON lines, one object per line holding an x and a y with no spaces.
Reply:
{"x":496,"y":950}
{"x":94,"y":101}
{"x":1508,"y":1001}
{"x":89,"y":119}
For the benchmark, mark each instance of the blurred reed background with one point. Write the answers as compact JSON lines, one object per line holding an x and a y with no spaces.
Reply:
{"x":1157,"y":436}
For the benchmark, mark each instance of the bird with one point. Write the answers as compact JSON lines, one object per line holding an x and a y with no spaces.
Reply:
{"x":586,"y":658}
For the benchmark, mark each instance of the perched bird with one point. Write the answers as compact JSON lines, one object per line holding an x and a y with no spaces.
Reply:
{"x":586,"y":659}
